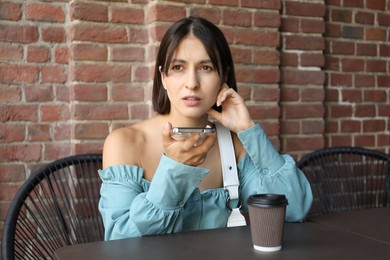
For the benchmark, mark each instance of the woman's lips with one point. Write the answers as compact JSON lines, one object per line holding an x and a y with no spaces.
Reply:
{"x":191,"y":100}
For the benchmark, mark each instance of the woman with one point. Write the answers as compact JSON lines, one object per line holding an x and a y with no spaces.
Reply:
{"x":154,"y":184}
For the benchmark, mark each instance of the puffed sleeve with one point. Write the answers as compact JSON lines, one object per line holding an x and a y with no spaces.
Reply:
{"x":130,"y":207}
{"x":264,"y":170}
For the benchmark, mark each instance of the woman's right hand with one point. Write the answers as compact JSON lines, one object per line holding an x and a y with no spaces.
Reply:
{"x":186,"y":151}
{"x":235,"y":115}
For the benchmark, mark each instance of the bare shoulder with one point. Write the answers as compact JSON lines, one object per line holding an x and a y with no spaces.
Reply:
{"x":122,"y":146}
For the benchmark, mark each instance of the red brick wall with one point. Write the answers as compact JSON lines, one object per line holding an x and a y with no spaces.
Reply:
{"x":357,"y":70}
{"x":313,"y":72}
{"x":302,"y":85}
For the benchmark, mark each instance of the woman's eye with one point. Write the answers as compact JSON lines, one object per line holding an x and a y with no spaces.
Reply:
{"x":176,"y":67}
{"x":207,"y":68}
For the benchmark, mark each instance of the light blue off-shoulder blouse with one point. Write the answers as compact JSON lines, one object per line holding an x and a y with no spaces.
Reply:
{"x":132,"y":206}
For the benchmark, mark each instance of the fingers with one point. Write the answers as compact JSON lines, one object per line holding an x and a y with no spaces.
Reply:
{"x":198,"y":140}
{"x":190,"y":142}
{"x":221,"y":95}
{"x":187,"y":144}
{"x":224,"y":94}
{"x":199,"y":151}
{"x":166,"y":134}
{"x":209,"y":141}
{"x":214,"y":114}
{"x":191,"y":151}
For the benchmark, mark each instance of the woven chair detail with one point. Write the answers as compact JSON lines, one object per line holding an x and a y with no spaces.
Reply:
{"x":347,"y":178}
{"x":56,"y":206}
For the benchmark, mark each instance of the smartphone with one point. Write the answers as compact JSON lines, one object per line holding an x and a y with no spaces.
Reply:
{"x":182,"y":133}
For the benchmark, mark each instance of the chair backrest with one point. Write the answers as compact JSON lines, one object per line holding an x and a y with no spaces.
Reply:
{"x":55,"y":207}
{"x":347,"y":178}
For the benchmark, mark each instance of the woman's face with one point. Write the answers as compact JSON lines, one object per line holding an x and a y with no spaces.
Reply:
{"x":192,"y":82}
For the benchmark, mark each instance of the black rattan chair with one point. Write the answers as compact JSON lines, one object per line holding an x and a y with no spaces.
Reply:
{"x":347,"y":178}
{"x":55,"y":207}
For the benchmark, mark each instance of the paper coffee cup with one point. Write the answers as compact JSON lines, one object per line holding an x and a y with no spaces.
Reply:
{"x":266,"y":214}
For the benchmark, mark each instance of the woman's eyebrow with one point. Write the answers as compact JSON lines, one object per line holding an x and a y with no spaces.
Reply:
{"x":181,"y":61}
{"x":205,"y":61}
{"x":178,"y":61}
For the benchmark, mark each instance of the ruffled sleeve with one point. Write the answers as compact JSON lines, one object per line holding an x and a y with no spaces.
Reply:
{"x":264,"y":170}
{"x":131,"y":206}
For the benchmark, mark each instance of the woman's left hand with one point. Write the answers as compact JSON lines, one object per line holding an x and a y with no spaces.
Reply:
{"x":235,"y":115}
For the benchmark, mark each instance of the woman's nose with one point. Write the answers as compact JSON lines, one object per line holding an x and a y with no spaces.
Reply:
{"x":192,"y":79}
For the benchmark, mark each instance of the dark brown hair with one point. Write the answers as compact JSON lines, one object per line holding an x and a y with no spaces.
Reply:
{"x":215,"y":44}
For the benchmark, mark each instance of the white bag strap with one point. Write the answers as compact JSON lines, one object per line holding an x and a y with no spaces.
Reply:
{"x":228,"y":158}
{"x":229,"y":173}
